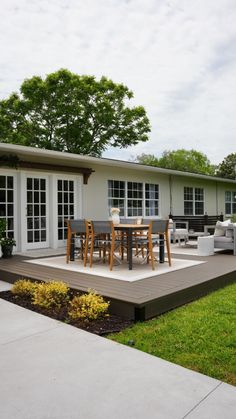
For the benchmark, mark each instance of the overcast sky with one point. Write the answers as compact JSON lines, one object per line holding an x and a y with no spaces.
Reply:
{"x":177,"y":56}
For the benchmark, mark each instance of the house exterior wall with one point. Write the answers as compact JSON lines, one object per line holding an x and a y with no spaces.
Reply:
{"x":91,"y":200}
{"x":214,"y":194}
{"x":95,"y":194}
{"x":210,"y":194}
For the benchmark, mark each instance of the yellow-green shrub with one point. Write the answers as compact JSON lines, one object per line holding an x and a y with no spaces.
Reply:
{"x":24,"y":288}
{"x":51,"y":294}
{"x":88,"y":306}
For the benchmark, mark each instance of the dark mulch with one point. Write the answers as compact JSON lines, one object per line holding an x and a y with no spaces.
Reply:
{"x":102,"y":326}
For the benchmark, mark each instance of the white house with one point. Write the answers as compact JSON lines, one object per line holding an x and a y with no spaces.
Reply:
{"x":39,"y":189}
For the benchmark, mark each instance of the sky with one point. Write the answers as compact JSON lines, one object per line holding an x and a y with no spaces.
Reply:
{"x":177,"y":56}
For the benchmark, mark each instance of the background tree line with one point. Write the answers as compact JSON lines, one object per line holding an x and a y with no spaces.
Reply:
{"x":79,"y":114}
{"x":191,"y":161}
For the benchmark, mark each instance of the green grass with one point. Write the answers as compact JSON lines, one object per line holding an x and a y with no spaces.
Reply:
{"x":200,"y":336}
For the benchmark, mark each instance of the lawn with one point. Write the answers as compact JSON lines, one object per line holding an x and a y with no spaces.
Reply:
{"x":200,"y":336}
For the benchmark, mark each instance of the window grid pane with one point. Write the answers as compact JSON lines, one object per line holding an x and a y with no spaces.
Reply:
{"x":7,"y":203}
{"x":188,"y":194}
{"x":152,"y":200}
{"x":188,"y":208}
{"x":230,"y":202}
{"x":36,"y":209}
{"x":65,"y":206}
{"x":134,"y":199}
{"x":193,"y":201}
{"x":116,"y":196}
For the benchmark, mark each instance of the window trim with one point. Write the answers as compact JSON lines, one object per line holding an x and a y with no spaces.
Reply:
{"x":126,"y":198}
{"x":12,"y":231}
{"x":231,"y":202}
{"x":194,"y":201}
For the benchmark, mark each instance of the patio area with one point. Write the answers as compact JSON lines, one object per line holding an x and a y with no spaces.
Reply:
{"x":140,"y":269}
{"x":138,"y":294}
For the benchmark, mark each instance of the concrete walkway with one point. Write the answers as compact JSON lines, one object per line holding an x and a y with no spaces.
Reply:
{"x":49,"y":370}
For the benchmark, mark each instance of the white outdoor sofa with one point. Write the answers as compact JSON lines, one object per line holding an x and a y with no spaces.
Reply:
{"x":224,"y":235}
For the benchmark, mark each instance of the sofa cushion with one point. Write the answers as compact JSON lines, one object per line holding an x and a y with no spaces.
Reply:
{"x":181,"y":232}
{"x":223,"y":239}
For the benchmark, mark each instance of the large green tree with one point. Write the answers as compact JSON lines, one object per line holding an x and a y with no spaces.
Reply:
{"x":227,"y":168}
{"x":184,"y":160}
{"x":73,"y":113}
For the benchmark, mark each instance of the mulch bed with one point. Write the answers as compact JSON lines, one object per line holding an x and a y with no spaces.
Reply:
{"x":102,"y":326}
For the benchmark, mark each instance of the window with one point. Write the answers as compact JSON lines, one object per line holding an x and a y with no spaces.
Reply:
{"x":193,"y":201}
{"x":7,"y":203}
{"x":134,"y":199}
{"x":116,"y":195}
{"x":151,"y":200}
{"x":230,"y":202}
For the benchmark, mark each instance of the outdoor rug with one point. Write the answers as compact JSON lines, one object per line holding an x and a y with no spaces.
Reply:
{"x":121,"y":272}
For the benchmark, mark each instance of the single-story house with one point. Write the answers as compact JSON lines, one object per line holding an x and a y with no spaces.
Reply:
{"x":40,"y":189}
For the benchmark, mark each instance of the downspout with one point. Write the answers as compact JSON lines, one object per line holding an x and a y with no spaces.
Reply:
{"x":217,"y":204}
{"x":171,"y":198}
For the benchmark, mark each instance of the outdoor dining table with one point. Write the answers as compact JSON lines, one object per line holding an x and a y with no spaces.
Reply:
{"x":130,"y":229}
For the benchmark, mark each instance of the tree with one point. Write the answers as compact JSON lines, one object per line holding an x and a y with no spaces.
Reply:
{"x":227,"y":168}
{"x":184,"y":160}
{"x":68,"y":112}
{"x":148,"y":159}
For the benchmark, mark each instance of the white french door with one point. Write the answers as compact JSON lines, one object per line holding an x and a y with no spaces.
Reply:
{"x":37,"y":229}
{"x":8,"y":202}
{"x":68,"y":204}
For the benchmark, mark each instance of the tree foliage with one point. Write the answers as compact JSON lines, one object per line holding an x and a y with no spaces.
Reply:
{"x":227,"y":168}
{"x":184,"y":160}
{"x":73,"y":113}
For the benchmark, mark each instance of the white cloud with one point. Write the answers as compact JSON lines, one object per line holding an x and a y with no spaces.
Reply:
{"x":179,"y":58}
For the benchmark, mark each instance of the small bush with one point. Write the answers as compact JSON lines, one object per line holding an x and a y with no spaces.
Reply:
{"x":24,"y":288}
{"x":88,"y":306}
{"x":51,"y":295}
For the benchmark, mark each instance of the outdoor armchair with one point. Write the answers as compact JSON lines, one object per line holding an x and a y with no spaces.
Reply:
{"x":224,"y":235}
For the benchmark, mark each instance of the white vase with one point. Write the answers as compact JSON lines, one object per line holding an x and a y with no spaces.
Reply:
{"x":115,"y":219}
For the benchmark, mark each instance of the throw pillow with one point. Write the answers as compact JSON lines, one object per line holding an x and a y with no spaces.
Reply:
{"x":220,"y":228}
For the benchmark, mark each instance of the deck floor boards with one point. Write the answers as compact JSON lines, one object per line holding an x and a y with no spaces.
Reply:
{"x":189,"y":282}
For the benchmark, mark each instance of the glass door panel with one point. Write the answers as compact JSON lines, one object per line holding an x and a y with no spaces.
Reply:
{"x":65,"y":205}
{"x":36,"y":211}
{"x":7,"y":203}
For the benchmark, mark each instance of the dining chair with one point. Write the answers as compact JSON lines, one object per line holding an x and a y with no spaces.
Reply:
{"x":76,"y":231}
{"x":157,"y":234}
{"x":138,"y":236}
{"x":104,"y":239}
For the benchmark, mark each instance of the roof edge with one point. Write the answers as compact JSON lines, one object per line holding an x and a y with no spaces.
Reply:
{"x":29,"y":151}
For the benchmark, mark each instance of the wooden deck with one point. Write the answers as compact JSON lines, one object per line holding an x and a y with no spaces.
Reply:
{"x":142,"y":299}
